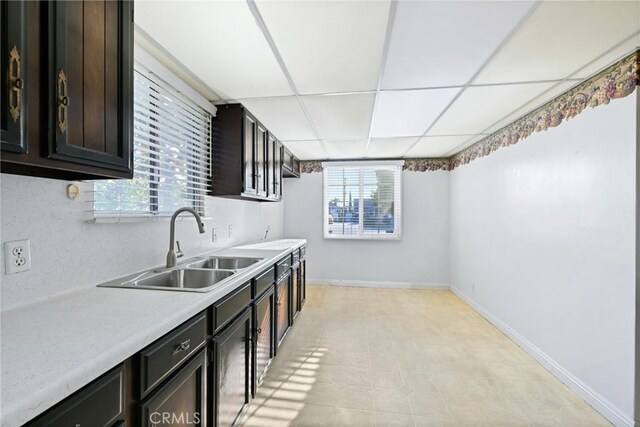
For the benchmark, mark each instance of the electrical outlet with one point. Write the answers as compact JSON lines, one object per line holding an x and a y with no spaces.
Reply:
{"x":214,"y":234}
{"x":230,"y":229}
{"x":17,"y":256}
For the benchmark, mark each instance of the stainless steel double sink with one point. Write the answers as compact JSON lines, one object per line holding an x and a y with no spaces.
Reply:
{"x":201,"y":274}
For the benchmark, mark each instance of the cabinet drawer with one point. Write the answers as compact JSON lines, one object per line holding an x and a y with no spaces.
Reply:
{"x":283,"y":266}
{"x":264,"y":281}
{"x":165,"y":355}
{"x":303,"y":252}
{"x":98,"y":404}
{"x":231,"y":305}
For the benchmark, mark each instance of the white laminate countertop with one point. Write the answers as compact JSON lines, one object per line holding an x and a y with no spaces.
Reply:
{"x":51,"y":349}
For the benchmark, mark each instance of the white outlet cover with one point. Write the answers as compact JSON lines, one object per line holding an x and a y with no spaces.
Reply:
{"x":17,"y":256}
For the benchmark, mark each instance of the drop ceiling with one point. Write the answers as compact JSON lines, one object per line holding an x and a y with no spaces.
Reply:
{"x":379,"y":79}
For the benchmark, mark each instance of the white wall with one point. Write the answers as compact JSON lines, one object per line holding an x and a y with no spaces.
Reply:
{"x":543,"y":238}
{"x":421,"y":257}
{"x":68,"y":253}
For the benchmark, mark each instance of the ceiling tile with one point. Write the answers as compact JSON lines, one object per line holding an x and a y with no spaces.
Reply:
{"x":437,"y":146}
{"x":560,"y":37}
{"x":347,"y":149}
{"x":532,"y":104}
{"x":440,"y":43}
{"x":466,"y":144}
{"x":610,"y":57}
{"x":329,"y":46}
{"x":219,"y":42}
{"x":341,"y":116}
{"x":478,"y":107}
{"x":283,"y":116}
{"x":389,"y":147}
{"x":307,"y":150}
{"x":409,"y":113}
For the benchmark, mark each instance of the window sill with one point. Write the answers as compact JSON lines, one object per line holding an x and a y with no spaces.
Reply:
{"x":366,"y":238}
{"x":135,"y":218}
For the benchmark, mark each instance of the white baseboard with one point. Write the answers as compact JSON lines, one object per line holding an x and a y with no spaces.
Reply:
{"x":374,"y":284}
{"x":600,"y":403}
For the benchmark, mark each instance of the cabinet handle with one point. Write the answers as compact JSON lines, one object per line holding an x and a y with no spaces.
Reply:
{"x":63,"y":101}
{"x":15,"y":84}
{"x":182,"y":347}
{"x":259,"y":330}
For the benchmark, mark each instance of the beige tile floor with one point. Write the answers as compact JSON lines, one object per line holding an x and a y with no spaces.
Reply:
{"x":396,"y":357}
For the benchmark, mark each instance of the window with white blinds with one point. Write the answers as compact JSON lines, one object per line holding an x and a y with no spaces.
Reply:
{"x":171,"y":156}
{"x":362,"y":200}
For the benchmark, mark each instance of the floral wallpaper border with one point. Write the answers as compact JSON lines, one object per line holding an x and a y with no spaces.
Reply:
{"x":617,"y":81}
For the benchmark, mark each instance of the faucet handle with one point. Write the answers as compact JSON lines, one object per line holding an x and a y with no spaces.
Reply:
{"x":179,"y":251}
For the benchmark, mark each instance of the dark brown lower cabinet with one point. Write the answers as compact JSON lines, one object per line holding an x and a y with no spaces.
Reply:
{"x":303,"y":282}
{"x":232,"y":370}
{"x":201,"y":373}
{"x":283,"y":307}
{"x":101,"y":403}
{"x":263,"y":342}
{"x":295,"y":291}
{"x":182,"y":400}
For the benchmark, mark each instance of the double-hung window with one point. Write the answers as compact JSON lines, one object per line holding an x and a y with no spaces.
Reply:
{"x":171,"y":142}
{"x":362,"y":200}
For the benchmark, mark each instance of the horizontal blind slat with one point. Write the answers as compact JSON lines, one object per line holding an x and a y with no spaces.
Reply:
{"x":171,"y":157}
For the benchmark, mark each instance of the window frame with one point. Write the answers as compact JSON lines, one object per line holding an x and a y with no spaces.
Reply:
{"x":394,"y":165}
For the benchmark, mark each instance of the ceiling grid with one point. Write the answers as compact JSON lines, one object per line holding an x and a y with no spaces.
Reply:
{"x":383,"y":63}
{"x":379,"y":79}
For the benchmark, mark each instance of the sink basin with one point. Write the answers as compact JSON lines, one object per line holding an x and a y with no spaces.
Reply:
{"x":223,"y":263}
{"x":184,"y":279}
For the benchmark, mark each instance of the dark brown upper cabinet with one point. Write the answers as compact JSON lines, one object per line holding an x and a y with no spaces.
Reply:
{"x":290,"y":165}
{"x":275,"y":167}
{"x":13,"y":91}
{"x":261,"y":160}
{"x":246,"y":158}
{"x":250,"y":126}
{"x":77,"y":92}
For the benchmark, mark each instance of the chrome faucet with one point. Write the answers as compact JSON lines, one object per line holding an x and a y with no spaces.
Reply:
{"x":172,"y":256}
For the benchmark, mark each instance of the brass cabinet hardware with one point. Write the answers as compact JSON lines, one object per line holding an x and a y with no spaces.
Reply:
{"x":15,"y":84}
{"x":63,"y":101}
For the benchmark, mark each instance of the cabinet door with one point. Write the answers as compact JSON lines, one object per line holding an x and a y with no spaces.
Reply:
{"x":91,"y":83}
{"x":13,"y":48}
{"x":287,"y":159}
{"x":183,"y":398}
{"x":263,"y":350}
{"x":277,"y":169}
{"x":303,"y":282}
{"x":232,"y":373}
{"x":261,"y":160}
{"x":282,"y":310}
{"x":250,"y":171}
{"x":295,"y":292}
{"x":271,"y":158}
